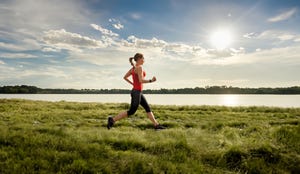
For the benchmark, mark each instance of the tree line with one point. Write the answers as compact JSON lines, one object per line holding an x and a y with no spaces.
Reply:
{"x":25,"y":89}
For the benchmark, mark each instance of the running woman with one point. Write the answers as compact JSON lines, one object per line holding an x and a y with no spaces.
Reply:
{"x":137,"y":97}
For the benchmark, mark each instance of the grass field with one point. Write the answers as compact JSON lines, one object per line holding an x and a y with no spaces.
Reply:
{"x":69,"y":137}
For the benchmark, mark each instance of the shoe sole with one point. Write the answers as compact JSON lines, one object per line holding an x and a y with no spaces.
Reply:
{"x":109,"y":122}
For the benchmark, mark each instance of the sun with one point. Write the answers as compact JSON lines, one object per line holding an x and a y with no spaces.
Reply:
{"x":221,"y":39}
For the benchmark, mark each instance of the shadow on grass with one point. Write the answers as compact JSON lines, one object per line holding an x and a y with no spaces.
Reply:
{"x":141,"y":126}
{"x":150,"y":126}
{"x":144,"y":126}
{"x":264,"y":159}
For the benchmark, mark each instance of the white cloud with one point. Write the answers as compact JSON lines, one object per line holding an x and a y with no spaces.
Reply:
{"x":249,"y":35}
{"x":50,"y":49}
{"x":109,"y":41}
{"x":283,"y":16}
{"x":16,"y":55}
{"x":135,"y":16}
{"x":278,"y":35}
{"x":116,"y":24}
{"x":67,"y":76}
{"x":104,"y":31}
{"x":285,"y":37}
{"x":9,"y":46}
{"x":164,"y":46}
{"x":110,"y":50}
{"x":67,"y":40}
{"x":7,"y":72}
{"x":219,"y":56}
{"x":23,"y":22}
{"x":36,"y":74}
{"x":21,"y":44}
{"x":181,"y":52}
{"x":2,"y":63}
{"x":45,"y":71}
{"x":171,"y":50}
{"x":144,"y":43}
{"x":42,"y":14}
{"x":297,"y":39}
{"x":91,"y":57}
{"x":279,"y":56}
{"x":176,"y":48}
{"x":219,"y":53}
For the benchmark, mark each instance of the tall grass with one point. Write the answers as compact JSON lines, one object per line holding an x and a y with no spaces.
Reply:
{"x":70,"y":137}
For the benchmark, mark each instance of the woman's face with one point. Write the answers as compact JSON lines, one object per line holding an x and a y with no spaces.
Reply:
{"x":140,"y":61}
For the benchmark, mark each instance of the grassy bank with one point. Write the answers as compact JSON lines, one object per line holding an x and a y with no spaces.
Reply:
{"x":68,"y":137}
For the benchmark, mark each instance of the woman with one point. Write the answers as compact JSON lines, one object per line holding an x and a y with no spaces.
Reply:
{"x":137,"y":96}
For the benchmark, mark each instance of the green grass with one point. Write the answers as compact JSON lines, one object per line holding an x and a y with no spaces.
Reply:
{"x":69,"y":137}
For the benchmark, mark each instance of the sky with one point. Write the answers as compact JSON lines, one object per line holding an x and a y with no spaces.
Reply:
{"x":86,"y":44}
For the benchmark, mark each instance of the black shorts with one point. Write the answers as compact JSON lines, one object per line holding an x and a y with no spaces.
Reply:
{"x":137,"y":98}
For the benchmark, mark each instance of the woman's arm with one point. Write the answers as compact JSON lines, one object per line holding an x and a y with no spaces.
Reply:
{"x":139,"y":71}
{"x":127,"y":75}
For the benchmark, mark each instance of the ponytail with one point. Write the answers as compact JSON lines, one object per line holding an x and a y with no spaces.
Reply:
{"x":136,"y":57}
{"x":130,"y":60}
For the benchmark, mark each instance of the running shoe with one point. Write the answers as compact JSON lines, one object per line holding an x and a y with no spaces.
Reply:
{"x":110,"y":122}
{"x":159,"y":127}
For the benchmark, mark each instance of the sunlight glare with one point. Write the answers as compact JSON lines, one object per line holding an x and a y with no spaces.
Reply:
{"x":221,"y":39}
{"x":230,"y":100}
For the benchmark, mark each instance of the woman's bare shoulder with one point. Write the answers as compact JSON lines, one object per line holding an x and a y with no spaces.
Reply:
{"x":139,"y":67}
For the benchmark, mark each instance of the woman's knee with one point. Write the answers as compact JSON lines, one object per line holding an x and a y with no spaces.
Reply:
{"x":131,"y":111}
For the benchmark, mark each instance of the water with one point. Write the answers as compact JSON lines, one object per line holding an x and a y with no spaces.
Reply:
{"x":171,"y":99}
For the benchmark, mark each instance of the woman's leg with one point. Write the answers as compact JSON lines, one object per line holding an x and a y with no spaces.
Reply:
{"x":120,"y":116}
{"x":146,"y":106}
{"x":135,"y":101}
{"x":152,"y":118}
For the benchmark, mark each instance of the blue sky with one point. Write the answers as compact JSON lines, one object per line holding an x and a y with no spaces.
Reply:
{"x":86,"y":44}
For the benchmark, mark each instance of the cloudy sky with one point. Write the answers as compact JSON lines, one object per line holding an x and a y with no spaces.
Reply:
{"x":186,"y":43}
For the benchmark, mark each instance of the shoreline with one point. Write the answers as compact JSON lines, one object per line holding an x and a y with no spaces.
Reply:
{"x":152,"y":105}
{"x":285,"y":101}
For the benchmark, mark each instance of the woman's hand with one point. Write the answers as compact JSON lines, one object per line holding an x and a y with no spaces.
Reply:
{"x":153,"y":79}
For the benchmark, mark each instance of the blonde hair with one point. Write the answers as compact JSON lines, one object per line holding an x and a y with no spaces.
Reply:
{"x":136,"y":57}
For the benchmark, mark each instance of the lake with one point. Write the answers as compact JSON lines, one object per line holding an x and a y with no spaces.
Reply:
{"x":172,"y":99}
